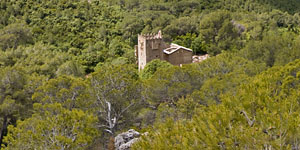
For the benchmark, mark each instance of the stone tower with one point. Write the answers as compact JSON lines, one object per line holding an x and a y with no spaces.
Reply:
{"x":150,"y":46}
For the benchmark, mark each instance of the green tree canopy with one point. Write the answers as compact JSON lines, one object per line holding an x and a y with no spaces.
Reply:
{"x":218,"y":32}
{"x":261,"y":114}
{"x":152,"y":67}
{"x":117,"y":96}
{"x":53,"y":127}
{"x":14,"y":35}
{"x":68,"y":91}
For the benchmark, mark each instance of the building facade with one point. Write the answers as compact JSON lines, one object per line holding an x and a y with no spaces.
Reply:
{"x":152,"y":46}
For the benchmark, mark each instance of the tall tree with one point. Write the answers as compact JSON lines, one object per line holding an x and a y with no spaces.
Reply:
{"x":13,"y":97}
{"x":70,"y":92}
{"x":117,"y":93}
{"x":14,"y":35}
{"x":53,"y":127}
{"x":261,"y":114}
{"x":218,"y":32}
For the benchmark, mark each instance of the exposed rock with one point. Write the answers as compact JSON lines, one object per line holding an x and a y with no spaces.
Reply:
{"x":124,"y":140}
{"x":197,"y":58}
{"x":241,"y":28}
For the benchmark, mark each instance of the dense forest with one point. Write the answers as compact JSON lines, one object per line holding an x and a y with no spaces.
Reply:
{"x":69,"y":78}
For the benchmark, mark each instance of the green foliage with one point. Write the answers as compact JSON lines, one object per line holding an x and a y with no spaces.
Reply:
{"x":170,"y":91}
{"x":169,"y":84}
{"x":213,"y":88}
{"x":13,"y":94}
{"x":116,"y":91}
{"x":130,"y":27}
{"x":186,"y":41}
{"x":53,"y":127}
{"x":91,"y":30}
{"x":71,"y":26}
{"x":76,"y":57}
{"x":181,"y":26}
{"x":221,"y":74}
{"x":198,"y":46}
{"x":152,"y":67}
{"x":272,"y":50}
{"x":14,"y":35}
{"x":39,"y":58}
{"x":259,"y":115}
{"x":68,"y":91}
{"x":71,"y":68}
{"x":218,"y":32}
{"x":15,"y":97}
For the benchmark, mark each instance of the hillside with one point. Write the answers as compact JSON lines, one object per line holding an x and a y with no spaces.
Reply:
{"x":69,"y":78}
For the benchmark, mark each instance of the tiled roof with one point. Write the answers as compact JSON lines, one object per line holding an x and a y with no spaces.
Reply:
{"x":174,"y":47}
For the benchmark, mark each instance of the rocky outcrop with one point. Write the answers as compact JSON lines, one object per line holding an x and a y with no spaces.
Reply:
{"x":125,"y":140}
{"x":197,"y":58}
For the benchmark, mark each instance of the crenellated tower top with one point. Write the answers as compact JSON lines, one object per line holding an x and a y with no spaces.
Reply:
{"x":151,"y":36}
{"x":152,"y":46}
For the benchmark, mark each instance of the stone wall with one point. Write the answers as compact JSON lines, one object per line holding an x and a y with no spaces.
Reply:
{"x":181,"y":56}
{"x":152,"y":46}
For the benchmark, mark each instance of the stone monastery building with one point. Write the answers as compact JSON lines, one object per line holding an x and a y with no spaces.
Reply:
{"x":152,"y":46}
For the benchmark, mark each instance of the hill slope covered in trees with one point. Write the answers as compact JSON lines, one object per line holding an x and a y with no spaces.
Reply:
{"x":69,"y":79}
